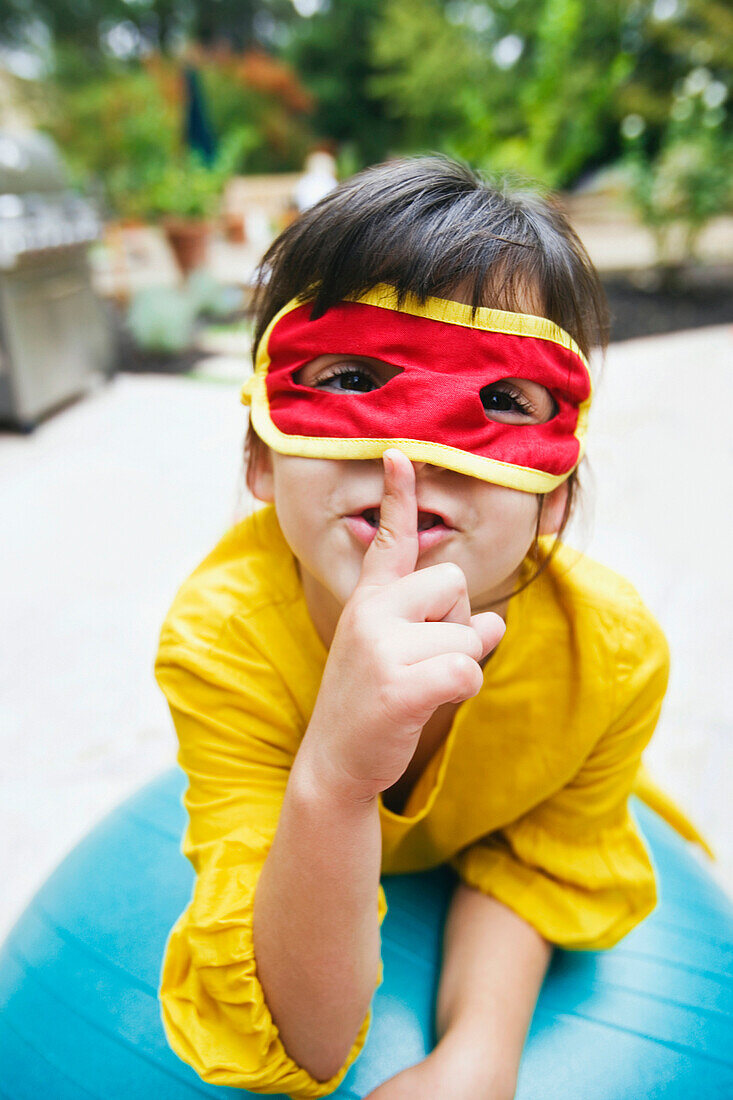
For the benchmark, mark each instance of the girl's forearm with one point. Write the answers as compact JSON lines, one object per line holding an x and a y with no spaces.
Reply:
{"x":494,"y":964}
{"x":316,"y":926}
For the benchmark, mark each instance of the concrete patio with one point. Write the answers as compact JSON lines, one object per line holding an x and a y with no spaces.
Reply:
{"x":110,"y":504}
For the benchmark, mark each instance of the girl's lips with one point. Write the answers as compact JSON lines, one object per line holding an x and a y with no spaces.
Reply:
{"x":364,"y":532}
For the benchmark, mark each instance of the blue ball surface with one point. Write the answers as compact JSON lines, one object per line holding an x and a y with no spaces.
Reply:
{"x":79,"y":1015}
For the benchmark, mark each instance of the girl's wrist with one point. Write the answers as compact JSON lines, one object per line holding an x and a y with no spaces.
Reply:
{"x":317,"y":780}
{"x":468,"y":1066}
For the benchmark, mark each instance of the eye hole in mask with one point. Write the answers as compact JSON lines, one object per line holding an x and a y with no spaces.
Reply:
{"x":518,"y":401}
{"x":345,"y":374}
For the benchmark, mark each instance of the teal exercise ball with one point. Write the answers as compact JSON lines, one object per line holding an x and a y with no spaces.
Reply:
{"x":79,"y":1017}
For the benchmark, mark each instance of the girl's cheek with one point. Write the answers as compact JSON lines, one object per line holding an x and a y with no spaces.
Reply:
{"x":512,"y":514}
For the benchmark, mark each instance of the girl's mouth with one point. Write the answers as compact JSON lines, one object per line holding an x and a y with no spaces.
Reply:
{"x":431,"y":528}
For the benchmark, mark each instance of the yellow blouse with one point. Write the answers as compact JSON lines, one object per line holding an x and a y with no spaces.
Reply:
{"x":526,"y":797}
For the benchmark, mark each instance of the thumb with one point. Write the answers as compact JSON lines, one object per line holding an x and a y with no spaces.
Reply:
{"x":393,"y":551}
{"x":490,"y":628}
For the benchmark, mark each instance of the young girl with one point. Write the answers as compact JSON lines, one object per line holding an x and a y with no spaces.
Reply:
{"x":347,"y":698}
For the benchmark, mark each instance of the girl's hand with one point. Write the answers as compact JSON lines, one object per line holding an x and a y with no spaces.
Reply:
{"x":405,"y":643}
{"x":440,"y":1076}
{"x":416,"y":1083}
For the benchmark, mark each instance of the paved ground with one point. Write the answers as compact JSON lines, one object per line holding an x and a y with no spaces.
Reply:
{"x":113,"y":501}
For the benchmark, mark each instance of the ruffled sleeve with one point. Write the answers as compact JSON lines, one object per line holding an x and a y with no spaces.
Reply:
{"x":237,"y":728}
{"x":576,"y":867}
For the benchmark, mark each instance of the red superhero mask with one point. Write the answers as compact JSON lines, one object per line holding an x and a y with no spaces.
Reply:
{"x":432,"y":409}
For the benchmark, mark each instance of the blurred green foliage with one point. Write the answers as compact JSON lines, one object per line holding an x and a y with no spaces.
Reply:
{"x":689,"y":178}
{"x":257,"y":94}
{"x":98,"y":29}
{"x":538,"y":87}
{"x":116,"y":128}
{"x":123,"y":128}
{"x":332,"y":52}
{"x":542,"y":88}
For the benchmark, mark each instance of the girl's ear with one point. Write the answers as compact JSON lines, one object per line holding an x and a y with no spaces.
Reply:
{"x":260,"y":478}
{"x":553,"y":510}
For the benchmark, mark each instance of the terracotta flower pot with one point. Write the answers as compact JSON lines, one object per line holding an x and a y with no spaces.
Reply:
{"x":234,"y":228}
{"x":189,"y":239}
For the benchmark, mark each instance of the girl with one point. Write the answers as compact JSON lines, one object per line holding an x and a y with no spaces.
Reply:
{"x":347,"y":698}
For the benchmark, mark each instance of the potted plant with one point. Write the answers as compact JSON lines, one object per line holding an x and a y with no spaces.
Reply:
{"x":185,"y":195}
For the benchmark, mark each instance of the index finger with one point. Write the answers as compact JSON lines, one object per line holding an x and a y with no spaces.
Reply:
{"x":393,"y":551}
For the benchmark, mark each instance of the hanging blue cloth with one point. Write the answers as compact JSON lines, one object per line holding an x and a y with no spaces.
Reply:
{"x":198,"y":132}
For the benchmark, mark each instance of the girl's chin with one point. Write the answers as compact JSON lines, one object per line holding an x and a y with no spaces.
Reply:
{"x":331,"y":593}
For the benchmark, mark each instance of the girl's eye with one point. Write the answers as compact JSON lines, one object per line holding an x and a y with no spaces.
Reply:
{"x":508,"y":404}
{"x":496,"y":400}
{"x":351,"y":378}
{"x":345,"y":373}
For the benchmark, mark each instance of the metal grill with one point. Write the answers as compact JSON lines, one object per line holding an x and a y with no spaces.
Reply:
{"x":55,"y":337}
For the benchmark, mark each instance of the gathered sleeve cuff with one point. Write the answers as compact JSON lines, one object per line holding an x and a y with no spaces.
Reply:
{"x":238,"y":734}
{"x":213,"y":1006}
{"x":575,"y":866}
{"x":578,"y":892}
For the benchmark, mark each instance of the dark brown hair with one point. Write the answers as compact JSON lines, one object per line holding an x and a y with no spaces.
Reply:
{"x":427,"y":225}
